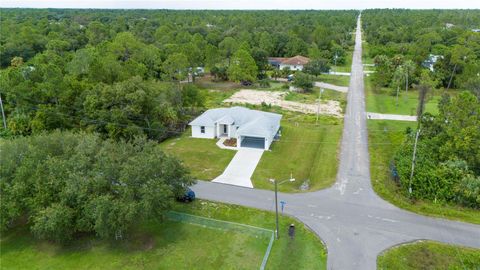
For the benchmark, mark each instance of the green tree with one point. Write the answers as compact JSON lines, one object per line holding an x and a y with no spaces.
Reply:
{"x":426,"y":84}
{"x":67,"y":183}
{"x":303,"y":81}
{"x":228,"y":46}
{"x":316,"y":67}
{"x":242,"y":67}
{"x":175,"y":67}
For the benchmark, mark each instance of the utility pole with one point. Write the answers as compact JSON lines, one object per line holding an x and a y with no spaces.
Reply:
{"x":406,"y":82}
{"x":276,"y":200}
{"x":413,"y":162}
{"x":276,"y":208}
{"x":3,"y":113}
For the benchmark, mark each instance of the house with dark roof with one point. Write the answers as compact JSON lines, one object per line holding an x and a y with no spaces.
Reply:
{"x":251,"y":128}
{"x":293,"y":63}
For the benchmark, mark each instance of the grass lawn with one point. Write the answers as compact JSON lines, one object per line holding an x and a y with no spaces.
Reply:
{"x":204,"y":159}
{"x":428,"y":255}
{"x":313,"y":96}
{"x":172,"y":245}
{"x":306,"y":251}
{"x":214,"y":98}
{"x":347,"y":66}
{"x":381,"y":100}
{"x":334,"y":79}
{"x":382,"y":146}
{"x":307,"y":151}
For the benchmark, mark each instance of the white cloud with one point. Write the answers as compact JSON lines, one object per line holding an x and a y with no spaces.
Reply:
{"x":245,"y":4}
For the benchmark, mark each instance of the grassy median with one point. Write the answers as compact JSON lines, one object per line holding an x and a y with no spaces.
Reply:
{"x":429,"y":255}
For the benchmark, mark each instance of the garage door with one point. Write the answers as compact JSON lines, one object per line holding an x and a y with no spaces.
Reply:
{"x":253,"y":142}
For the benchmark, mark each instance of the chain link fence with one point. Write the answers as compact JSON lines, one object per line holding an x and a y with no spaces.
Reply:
{"x":226,"y":226}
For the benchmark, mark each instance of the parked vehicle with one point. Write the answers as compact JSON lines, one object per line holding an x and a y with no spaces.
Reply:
{"x":188,"y":196}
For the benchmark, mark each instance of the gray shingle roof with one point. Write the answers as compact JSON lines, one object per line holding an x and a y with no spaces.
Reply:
{"x":250,"y":122}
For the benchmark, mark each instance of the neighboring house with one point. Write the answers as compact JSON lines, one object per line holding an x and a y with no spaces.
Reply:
{"x":476,"y":30}
{"x":251,"y":128}
{"x":431,"y":60}
{"x":449,"y":25}
{"x":293,"y":63}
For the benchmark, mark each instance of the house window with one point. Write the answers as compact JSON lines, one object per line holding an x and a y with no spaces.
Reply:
{"x":202,"y":129}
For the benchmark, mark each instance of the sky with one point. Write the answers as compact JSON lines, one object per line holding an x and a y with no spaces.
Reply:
{"x":244,"y":4}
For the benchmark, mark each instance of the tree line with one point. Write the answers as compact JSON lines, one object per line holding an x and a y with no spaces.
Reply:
{"x":402,"y":38}
{"x":118,"y":72}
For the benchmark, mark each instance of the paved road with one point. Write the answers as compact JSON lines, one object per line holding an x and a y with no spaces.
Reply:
{"x":397,"y":117}
{"x":330,"y":86}
{"x":355,"y":224}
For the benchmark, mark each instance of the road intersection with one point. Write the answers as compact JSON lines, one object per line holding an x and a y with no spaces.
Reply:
{"x":352,"y":220}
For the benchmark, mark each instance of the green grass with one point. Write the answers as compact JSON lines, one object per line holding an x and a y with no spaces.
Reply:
{"x":382,"y":101}
{"x":385,"y":137}
{"x":334,"y":79}
{"x":215,"y":98}
{"x":313,"y":96}
{"x":428,"y":255}
{"x":202,"y":157}
{"x":305,"y":150}
{"x":305,"y":251}
{"x":172,"y":245}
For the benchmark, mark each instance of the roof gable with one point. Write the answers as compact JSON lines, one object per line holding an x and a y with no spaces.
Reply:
{"x":250,"y":122}
{"x":296,"y":60}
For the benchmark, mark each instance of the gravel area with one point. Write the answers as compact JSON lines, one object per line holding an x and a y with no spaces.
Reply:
{"x":277,"y":98}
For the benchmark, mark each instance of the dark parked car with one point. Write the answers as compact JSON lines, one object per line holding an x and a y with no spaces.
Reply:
{"x":188,"y":196}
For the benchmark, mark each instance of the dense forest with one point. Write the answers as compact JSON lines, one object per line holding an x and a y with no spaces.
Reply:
{"x":447,"y":156}
{"x":401,"y":41}
{"x":117,"y":72}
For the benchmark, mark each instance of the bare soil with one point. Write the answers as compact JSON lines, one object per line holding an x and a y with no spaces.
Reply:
{"x":277,"y":98}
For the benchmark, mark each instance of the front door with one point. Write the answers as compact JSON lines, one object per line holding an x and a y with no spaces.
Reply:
{"x":225,"y":129}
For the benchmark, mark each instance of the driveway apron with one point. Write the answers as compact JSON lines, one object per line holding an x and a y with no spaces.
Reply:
{"x":241,"y":168}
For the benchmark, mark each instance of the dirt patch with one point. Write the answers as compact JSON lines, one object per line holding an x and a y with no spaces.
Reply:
{"x":277,"y":98}
{"x":230,"y":142}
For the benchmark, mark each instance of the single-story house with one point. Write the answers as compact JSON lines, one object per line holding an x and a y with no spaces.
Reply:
{"x":251,"y":128}
{"x":294,"y":63}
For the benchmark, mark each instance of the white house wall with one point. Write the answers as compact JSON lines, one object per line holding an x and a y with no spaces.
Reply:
{"x":209,"y":132}
{"x":291,"y":67}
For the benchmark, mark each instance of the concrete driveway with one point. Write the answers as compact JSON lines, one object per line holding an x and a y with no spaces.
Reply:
{"x":241,"y":168}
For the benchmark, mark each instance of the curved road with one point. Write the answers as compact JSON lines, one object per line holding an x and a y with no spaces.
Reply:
{"x":355,"y":224}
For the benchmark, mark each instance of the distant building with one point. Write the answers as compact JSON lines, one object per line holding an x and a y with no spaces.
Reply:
{"x":476,"y":30}
{"x":431,"y":60}
{"x":449,"y":25}
{"x":294,"y":63}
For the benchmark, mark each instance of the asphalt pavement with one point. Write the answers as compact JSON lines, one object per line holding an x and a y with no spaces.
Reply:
{"x":350,"y":218}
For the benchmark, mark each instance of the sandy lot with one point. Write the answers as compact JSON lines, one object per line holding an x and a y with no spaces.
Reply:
{"x":277,"y":98}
